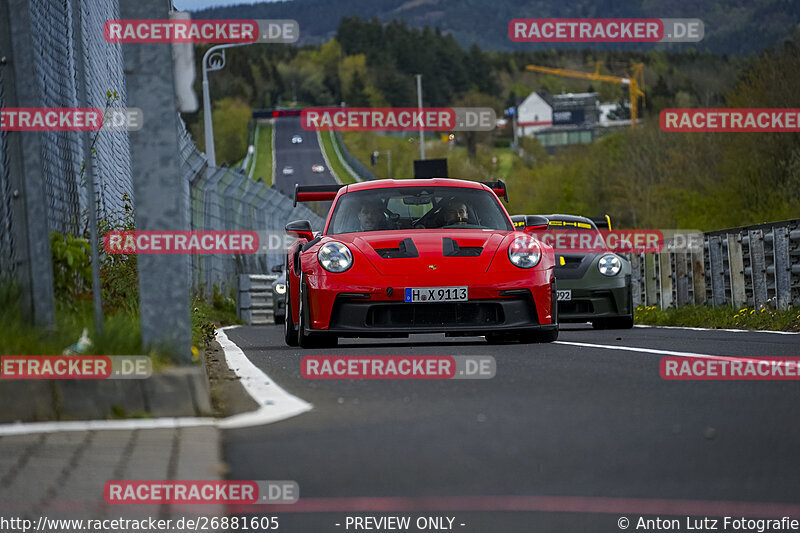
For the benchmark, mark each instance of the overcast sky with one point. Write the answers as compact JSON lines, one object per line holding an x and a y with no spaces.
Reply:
{"x":194,"y":5}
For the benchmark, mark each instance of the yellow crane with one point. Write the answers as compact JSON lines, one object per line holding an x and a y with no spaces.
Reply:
{"x":635,"y":83}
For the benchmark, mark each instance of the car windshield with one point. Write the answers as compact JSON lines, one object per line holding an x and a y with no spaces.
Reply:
{"x":417,"y":208}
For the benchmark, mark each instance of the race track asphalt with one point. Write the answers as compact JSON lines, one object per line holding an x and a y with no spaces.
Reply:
{"x":566,"y":437}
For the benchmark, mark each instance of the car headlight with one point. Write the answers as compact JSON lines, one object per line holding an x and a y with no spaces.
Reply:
{"x":609,"y":265}
{"x":335,"y":257}
{"x":280,"y":288}
{"x":525,"y":252}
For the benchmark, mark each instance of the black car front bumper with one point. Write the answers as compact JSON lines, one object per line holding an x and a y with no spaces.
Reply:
{"x":357,"y":317}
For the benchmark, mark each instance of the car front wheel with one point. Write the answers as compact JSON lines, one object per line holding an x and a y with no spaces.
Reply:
{"x":289,"y":330}
{"x":304,"y":339}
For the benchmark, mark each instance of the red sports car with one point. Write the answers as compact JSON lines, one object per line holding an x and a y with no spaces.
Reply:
{"x":398,"y":257}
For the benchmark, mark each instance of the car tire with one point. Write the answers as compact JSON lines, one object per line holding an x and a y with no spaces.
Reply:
{"x":289,"y":330}
{"x":617,"y":322}
{"x":303,"y":339}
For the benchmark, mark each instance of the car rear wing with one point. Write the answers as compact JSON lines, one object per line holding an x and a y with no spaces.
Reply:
{"x":315,"y":193}
{"x":603,"y":222}
{"x":499,"y":188}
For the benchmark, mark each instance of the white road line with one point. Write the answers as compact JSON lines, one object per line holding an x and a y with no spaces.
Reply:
{"x":664,"y":352}
{"x":644,"y":350}
{"x":274,"y":403}
{"x":715,"y":329}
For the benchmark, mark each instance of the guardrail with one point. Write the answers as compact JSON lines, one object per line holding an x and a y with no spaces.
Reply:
{"x":254,"y":298}
{"x":749,"y":266}
{"x":355,"y":164}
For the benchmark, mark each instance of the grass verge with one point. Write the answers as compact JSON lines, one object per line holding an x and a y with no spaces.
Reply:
{"x":121,"y":334}
{"x":206,"y":318}
{"x":263,"y":154}
{"x":701,"y":316}
{"x":121,"y":329}
{"x":338,"y":168}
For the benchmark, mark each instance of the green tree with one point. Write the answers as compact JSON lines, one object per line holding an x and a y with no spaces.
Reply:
{"x":473,"y":138}
{"x":231,"y":117}
{"x":357,"y":96}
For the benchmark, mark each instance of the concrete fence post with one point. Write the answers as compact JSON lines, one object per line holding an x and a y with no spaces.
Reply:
{"x":159,"y":191}
{"x":29,"y":213}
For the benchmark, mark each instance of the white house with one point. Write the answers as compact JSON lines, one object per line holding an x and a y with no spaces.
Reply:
{"x":533,"y":114}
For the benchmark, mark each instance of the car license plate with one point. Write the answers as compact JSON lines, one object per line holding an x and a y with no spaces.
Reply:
{"x":564,"y":296}
{"x":436,"y":294}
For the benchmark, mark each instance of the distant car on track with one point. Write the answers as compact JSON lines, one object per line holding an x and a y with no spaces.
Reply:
{"x":296,"y":139}
{"x":316,"y":169}
{"x":398,"y":257}
{"x":279,"y":294}
{"x":591,"y":286}
{"x":288,"y":171}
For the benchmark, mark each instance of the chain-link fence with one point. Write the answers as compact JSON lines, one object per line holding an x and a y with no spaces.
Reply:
{"x":51,"y":79}
{"x":227,"y":199}
{"x":43,"y":174}
{"x":55,"y":66}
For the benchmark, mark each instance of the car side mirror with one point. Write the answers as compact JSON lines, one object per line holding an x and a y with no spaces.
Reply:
{"x":531,"y":222}
{"x":277,"y":269}
{"x":300,"y":229}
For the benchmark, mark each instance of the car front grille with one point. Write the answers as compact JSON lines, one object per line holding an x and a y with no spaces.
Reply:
{"x":435,"y":314}
{"x":575,"y":307}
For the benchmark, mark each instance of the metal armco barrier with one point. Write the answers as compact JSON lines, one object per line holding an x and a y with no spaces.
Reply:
{"x":254,"y":301}
{"x":355,"y":164}
{"x":750,"y":266}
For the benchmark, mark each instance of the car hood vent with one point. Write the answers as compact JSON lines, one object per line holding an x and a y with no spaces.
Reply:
{"x":450,"y":248}
{"x":405,"y":248}
{"x":411,"y":253}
